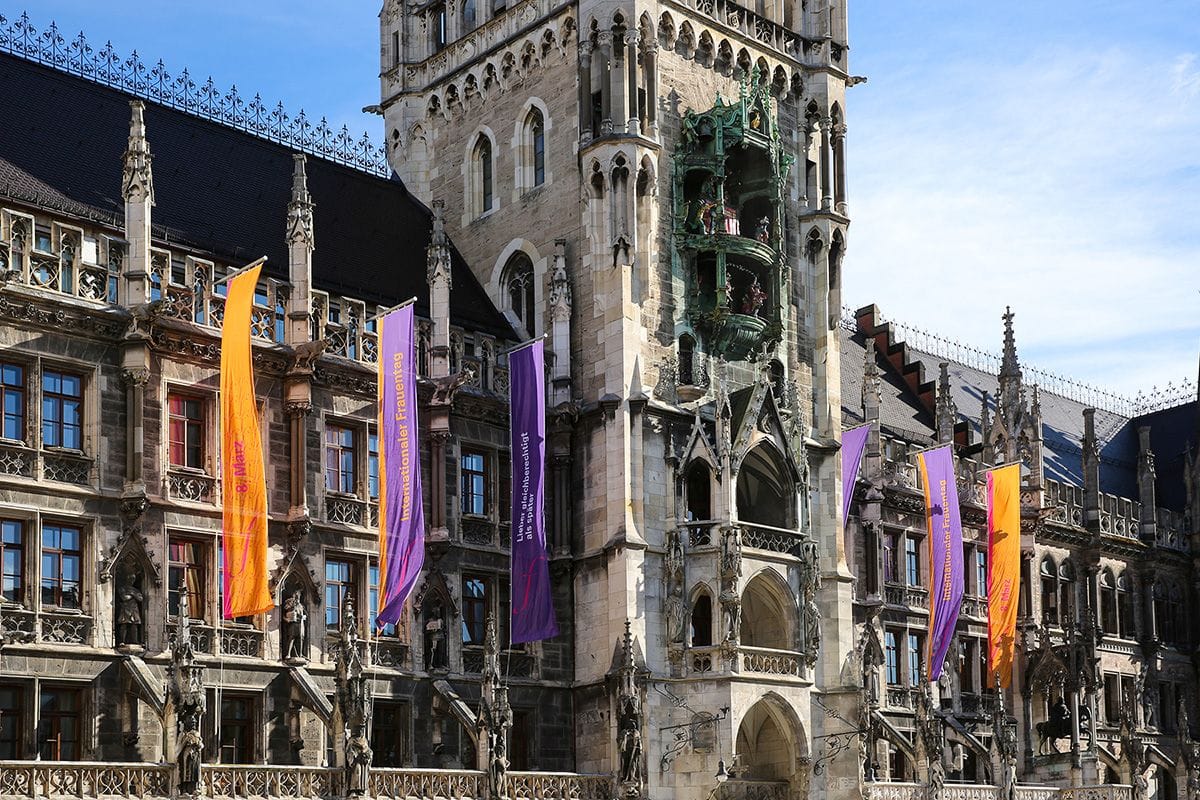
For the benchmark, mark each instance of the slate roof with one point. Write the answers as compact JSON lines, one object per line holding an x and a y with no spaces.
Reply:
{"x":1171,"y":430}
{"x":221,"y":191}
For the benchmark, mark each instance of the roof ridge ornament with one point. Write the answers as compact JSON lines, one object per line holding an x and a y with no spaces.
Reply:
{"x":155,"y":84}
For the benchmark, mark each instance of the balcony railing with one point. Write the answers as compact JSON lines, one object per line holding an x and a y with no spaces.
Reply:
{"x":766,"y":661}
{"x":753,"y":790}
{"x":191,"y":487}
{"x":775,"y":540}
{"x":701,"y":534}
{"x":37,"y":779}
{"x":301,"y":783}
{"x":909,"y":596}
{"x":884,"y":790}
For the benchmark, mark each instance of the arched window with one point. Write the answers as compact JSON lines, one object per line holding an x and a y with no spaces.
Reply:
{"x":1108,"y":603}
{"x":765,"y":493}
{"x":535,"y":131}
{"x":1124,"y":609}
{"x":518,"y":283}
{"x":482,"y":167}
{"x":698,"y":489}
{"x":702,"y":621}
{"x":687,"y":364}
{"x":468,"y":16}
{"x":1066,"y":591}
{"x":1049,"y":574}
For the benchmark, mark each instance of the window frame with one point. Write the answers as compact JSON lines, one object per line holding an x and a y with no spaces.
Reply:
{"x":470,"y":603}
{"x":348,"y":587}
{"x":389,"y":631}
{"x":53,"y":719}
{"x":60,"y":399}
{"x":400,"y":728}
{"x":197,"y":611}
{"x":59,"y":582}
{"x":913,"y":647}
{"x":912,"y":560}
{"x":21,"y":548}
{"x":484,"y":474}
{"x":891,"y":659}
{"x":199,"y":424}
{"x":19,"y":714}
{"x":19,"y":390}
{"x":342,"y":450}
{"x":249,"y":724}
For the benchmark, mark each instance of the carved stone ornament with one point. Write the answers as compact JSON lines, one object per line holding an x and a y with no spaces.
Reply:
{"x":300,"y":208}
{"x":188,"y":701}
{"x":135,"y":376}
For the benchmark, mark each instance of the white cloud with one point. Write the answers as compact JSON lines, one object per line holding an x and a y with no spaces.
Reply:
{"x":1064,"y":183}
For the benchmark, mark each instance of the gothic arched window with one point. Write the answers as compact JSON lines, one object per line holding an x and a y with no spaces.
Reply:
{"x":535,"y":131}
{"x":1049,"y":575}
{"x":482,"y":166}
{"x":518,"y":283}
{"x":1124,"y":608}
{"x":1066,"y":590}
{"x":468,"y":16}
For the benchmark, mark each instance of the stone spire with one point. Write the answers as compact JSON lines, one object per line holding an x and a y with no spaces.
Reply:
{"x":1091,"y":471}
{"x":946,"y":411}
{"x":438,"y":275}
{"x":1146,"y":489}
{"x":1009,"y":366}
{"x":301,"y":243}
{"x":137,"y":180}
{"x":872,"y":391}
{"x":1009,"y":401}
{"x":560,"y":301}
{"x":137,"y":189}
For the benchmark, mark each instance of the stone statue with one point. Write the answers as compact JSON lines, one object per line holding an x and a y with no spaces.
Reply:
{"x":358,"y":764}
{"x":1149,"y":704}
{"x":497,"y":763}
{"x":630,"y":736}
{"x":945,"y":689}
{"x":129,"y":611}
{"x":932,"y":735}
{"x":731,"y":554}
{"x":732,"y":607}
{"x":676,"y":613}
{"x":191,"y":749}
{"x":763,"y":232}
{"x":294,"y":618}
{"x":435,"y":637}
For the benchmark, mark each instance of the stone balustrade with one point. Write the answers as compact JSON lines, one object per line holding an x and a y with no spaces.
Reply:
{"x":24,"y":780}
{"x":882,"y":790}
{"x":753,"y":790}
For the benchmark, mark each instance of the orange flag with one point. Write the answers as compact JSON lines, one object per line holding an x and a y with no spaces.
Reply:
{"x":1004,"y":568}
{"x":244,"y":522}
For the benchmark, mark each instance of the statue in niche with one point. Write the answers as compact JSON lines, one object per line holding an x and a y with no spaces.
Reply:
{"x":754,"y":298}
{"x":629,"y":735}
{"x":732,"y":606}
{"x":129,"y":611}
{"x":294,"y":619}
{"x":763,"y":231}
{"x":731,"y":554}
{"x":191,"y":748}
{"x":358,"y":763}
{"x":436,"y":656}
{"x":676,"y":613}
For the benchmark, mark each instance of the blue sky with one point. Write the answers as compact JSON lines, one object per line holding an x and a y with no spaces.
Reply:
{"x":1043,"y":155}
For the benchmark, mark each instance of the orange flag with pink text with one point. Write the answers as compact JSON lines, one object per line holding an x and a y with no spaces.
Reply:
{"x":244,"y":485}
{"x":1004,"y":568}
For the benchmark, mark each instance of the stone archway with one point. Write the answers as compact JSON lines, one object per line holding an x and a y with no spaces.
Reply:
{"x":768,"y":613}
{"x":770,"y":743}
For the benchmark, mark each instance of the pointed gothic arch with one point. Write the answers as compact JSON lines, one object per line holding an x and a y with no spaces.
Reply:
{"x":771,"y":743}
{"x":769,"y":613}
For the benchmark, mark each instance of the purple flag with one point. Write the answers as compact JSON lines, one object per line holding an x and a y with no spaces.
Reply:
{"x":945,"y":551}
{"x":401,"y":510}
{"x":532,"y":604}
{"x":854,"y":443}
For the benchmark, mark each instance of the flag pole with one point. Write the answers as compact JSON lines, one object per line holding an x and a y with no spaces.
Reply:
{"x":258,"y":262}
{"x":1016,"y":463}
{"x":931,"y":447}
{"x":526,"y":343}
{"x":390,"y":309}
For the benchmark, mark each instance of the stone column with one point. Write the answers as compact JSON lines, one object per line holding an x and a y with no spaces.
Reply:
{"x":631,"y":67}
{"x":839,"y":168}
{"x":560,"y":301}
{"x":605,"y":40}
{"x":439,"y":278}
{"x":826,"y":166}
{"x":650,"y":70}
{"x":585,"y":93}
{"x":301,"y":244}
{"x":617,"y":84}
{"x":135,"y":380}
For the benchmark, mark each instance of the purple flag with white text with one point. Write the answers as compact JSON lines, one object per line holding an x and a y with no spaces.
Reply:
{"x":532,"y":604}
{"x":401,"y":509}
{"x":945,"y":551}
{"x":854,"y":443}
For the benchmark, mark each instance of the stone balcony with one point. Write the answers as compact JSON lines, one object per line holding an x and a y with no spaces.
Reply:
{"x":883,"y":790}
{"x":24,"y":780}
{"x":732,"y":660}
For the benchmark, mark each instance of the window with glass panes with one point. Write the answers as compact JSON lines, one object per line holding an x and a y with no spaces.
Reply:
{"x":475,"y":601}
{"x":912,"y":561}
{"x":237,"y":730}
{"x":891,"y":658}
{"x":389,"y":733}
{"x":186,"y":571}
{"x":889,"y":557}
{"x":60,"y":713}
{"x":373,"y":466}
{"x":914,"y":659}
{"x":12,"y":721}
{"x":474,"y":483}
{"x":62,"y":565}
{"x":12,"y":387}
{"x":245,"y":620}
{"x":537,"y":131}
{"x":12,"y":560}
{"x":981,"y":573}
{"x":339,"y":583}
{"x":185,"y":431}
{"x":339,"y":459}
{"x":62,"y":410}
{"x":373,"y":604}
{"x":485,"y":171}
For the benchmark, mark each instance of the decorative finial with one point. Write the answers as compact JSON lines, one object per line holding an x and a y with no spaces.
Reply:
{"x":946,"y":410}
{"x":300,"y":208}
{"x":1009,"y":365}
{"x":137,"y":179}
